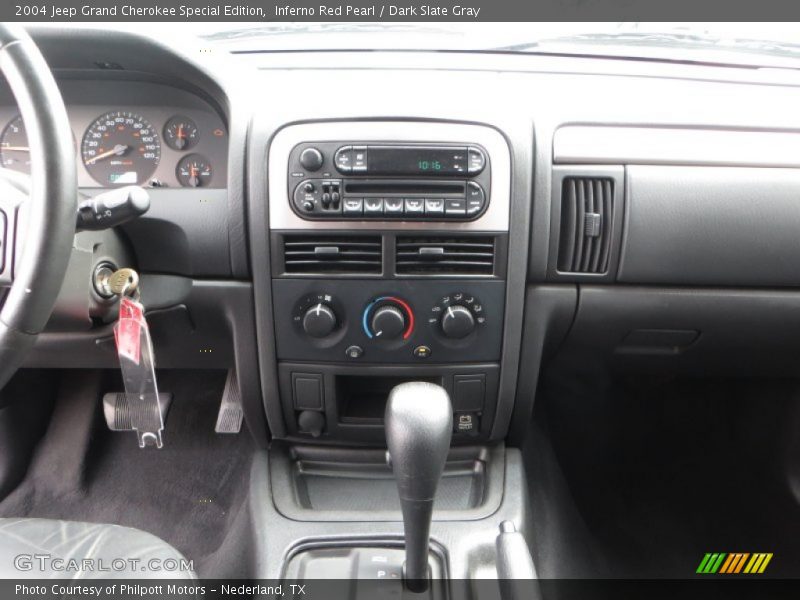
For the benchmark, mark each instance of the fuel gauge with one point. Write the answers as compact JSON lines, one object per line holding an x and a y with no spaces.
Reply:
{"x":180,"y":133}
{"x":194,"y":170}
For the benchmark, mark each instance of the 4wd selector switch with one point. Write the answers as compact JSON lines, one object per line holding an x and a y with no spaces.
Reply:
{"x":319,"y":321}
{"x":457,"y":322}
{"x":388,"y":322}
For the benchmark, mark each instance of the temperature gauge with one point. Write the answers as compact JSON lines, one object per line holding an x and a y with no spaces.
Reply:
{"x":194,"y":171}
{"x":181,"y":133}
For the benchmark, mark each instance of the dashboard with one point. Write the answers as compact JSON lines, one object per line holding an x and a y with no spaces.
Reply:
{"x":131,"y":133}
{"x":611,"y":229}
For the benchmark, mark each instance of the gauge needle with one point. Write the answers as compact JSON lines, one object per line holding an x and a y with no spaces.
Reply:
{"x":117,"y":150}
{"x":181,"y":135}
{"x":16,"y":148}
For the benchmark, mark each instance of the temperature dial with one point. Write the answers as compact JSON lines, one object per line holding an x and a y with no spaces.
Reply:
{"x":388,"y":318}
{"x":388,"y":322}
{"x":194,"y":171}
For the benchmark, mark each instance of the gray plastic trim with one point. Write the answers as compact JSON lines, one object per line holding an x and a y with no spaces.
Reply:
{"x":469,"y":544}
{"x":675,"y":146}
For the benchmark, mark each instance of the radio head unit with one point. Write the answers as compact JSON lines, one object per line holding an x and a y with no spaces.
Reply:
{"x":351,"y":180}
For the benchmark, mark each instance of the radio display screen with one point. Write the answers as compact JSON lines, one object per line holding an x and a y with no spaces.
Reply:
{"x":386,"y":160}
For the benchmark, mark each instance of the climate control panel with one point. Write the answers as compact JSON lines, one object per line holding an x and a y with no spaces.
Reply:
{"x":399,"y":321}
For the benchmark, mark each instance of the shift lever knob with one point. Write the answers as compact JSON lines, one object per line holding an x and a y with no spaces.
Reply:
{"x":419,"y":422}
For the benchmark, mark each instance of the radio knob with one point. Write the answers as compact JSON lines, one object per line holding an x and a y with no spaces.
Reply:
{"x":388,"y":323}
{"x":319,"y":321}
{"x":311,"y":159}
{"x":457,"y":322}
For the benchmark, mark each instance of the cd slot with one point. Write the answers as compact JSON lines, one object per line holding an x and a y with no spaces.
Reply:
{"x":404,"y":187}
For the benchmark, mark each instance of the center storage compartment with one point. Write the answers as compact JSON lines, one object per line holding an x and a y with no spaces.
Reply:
{"x":362,"y":398}
{"x":363,"y":480}
{"x":319,"y":483}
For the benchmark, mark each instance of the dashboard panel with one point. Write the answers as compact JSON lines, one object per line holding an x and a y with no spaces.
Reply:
{"x":131,"y":132}
{"x":666,"y":169}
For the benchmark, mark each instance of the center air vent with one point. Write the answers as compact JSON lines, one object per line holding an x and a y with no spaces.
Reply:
{"x":468,"y":255}
{"x":587,"y":216}
{"x":331,"y":254}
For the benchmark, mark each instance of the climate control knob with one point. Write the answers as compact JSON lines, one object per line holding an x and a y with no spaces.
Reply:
{"x":319,"y":320}
{"x":388,"y":323}
{"x":457,"y":322}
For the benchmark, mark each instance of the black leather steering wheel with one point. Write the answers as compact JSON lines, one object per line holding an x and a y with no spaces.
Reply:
{"x":37,"y":213}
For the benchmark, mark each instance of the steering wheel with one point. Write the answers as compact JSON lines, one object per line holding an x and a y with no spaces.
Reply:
{"x":37,"y":213}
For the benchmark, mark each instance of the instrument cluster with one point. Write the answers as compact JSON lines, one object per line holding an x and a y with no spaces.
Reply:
{"x":131,"y":147}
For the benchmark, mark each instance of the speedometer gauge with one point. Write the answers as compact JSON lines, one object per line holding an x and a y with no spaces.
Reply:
{"x":121,"y":148}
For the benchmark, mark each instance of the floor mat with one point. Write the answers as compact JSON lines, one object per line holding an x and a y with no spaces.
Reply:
{"x":188,"y":493}
{"x":661,"y":473}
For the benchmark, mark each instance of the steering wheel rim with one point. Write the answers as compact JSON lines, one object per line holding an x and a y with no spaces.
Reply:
{"x":39,"y":251}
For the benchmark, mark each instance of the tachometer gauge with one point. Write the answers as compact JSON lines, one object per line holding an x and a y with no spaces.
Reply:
{"x":194,"y":171}
{"x":180,"y":133}
{"x":14,"y":151}
{"x":121,"y":148}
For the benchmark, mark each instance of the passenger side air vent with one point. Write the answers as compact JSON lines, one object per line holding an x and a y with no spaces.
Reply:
{"x":587,"y":216}
{"x":468,"y":255}
{"x":331,"y":254}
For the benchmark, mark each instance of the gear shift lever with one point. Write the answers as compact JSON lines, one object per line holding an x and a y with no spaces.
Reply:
{"x":419,"y":422}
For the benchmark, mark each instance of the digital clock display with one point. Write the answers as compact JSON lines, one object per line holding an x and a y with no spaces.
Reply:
{"x":393,"y":160}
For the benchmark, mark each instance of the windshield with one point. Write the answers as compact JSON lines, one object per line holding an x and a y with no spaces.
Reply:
{"x":775,"y":44}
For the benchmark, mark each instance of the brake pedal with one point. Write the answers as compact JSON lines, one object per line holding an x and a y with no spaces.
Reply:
{"x":229,"y":419}
{"x":120,"y":416}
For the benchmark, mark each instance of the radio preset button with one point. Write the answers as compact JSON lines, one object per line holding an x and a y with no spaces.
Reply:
{"x":415,"y":207}
{"x":353,"y":206}
{"x":373,"y":206}
{"x":476,"y":161}
{"x":455,"y":207}
{"x":434,"y":206}
{"x":393,"y":206}
{"x":344,"y":159}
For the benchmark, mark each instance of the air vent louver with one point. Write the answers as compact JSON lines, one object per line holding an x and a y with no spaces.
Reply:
{"x":587,"y":216}
{"x":468,"y":255}
{"x":329,"y":254}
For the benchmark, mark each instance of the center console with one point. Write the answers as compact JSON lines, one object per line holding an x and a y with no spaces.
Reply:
{"x":389,"y":245}
{"x":382,"y":261}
